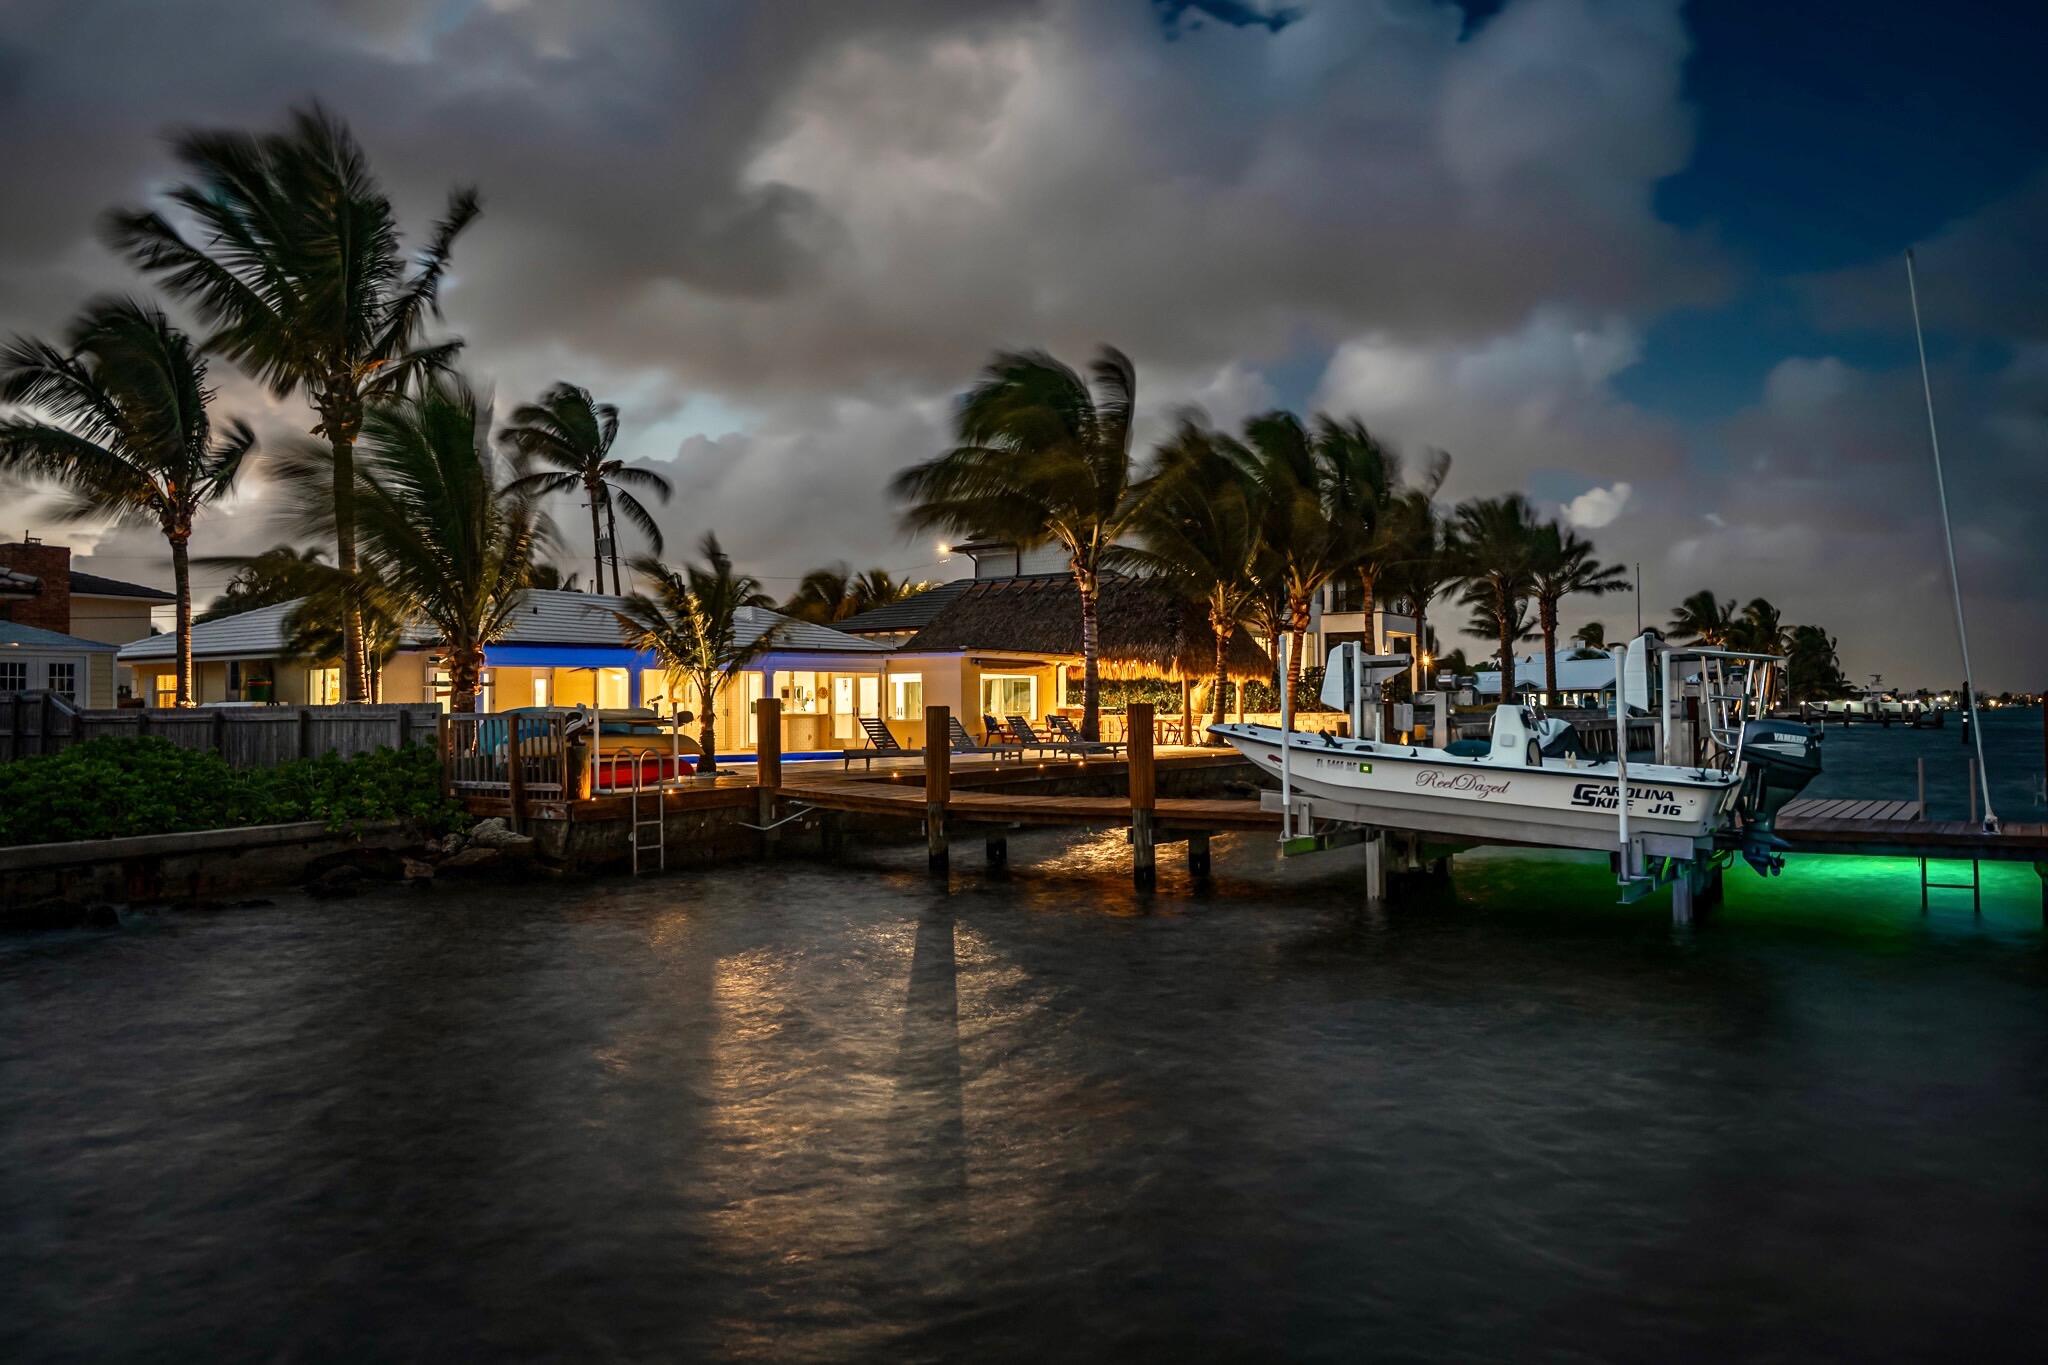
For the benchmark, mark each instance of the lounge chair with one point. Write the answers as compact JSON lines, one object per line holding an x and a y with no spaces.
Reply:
{"x":993,"y":731}
{"x":881,"y":744}
{"x":1064,"y":728}
{"x":963,"y":743}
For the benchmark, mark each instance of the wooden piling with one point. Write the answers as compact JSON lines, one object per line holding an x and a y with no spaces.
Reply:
{"x":997,"y":847}
{"x":515,"y":772}
{"x":767,"y":766}
{"x":938,"y":784}
{"x":1144,"y":797}
{"x":1198,"y":855}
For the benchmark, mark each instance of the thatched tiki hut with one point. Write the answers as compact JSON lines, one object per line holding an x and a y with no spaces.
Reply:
{"x":1015,"y":641}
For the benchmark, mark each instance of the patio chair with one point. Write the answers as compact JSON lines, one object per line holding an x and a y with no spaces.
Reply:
{"x":963,"y":743}
{"x":1064,"y":728}
{"x":881,"y":744}
{"x":1028,"y":738}
{"x":993,"y":732}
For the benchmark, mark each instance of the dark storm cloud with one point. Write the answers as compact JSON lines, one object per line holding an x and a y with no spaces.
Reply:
{"x":782,"y":236}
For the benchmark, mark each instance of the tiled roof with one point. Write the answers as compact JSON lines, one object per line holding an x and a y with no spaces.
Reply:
{"x":546,"y":617}
{"x":912,"y":613}
{"x":13,"y":634}
{"x":92,"y":585}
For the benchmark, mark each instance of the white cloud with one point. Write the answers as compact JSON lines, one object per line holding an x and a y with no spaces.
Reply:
{"x":1597,"y":507}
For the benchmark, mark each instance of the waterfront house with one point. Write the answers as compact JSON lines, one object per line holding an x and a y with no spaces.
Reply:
{"x":1011,"y":645}
{"x":1580,"y":682}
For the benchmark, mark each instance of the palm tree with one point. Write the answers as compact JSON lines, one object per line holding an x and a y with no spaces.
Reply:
{"x":1307,"y":543}
{"x":1519,"y":627}
{"x":1591,"y":640}
{"x":1813,"y":667}
{"x":1364,"y":491}
{"x":550,"y":576}
{"x":1495,"y":554}
{"x":1703,"y":619}
{"x":691,"y":623}
{"x":131,"y":436}
{"x":278,"y":574}
{"x":1201,"y":523}
{"x":445,"y":538}
{"x":574,"y":433}
{"x":1562,"y":566}
{"x":835,"y":592}
{"x":302,"y":278}
{"x":1760,"y":628}
{"x":1421,"y":561}
{"x":1044,"y":458}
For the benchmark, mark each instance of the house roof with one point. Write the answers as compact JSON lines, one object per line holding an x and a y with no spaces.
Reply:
{"x":546,"y":616}
{"x":1147,"y":630}
{"x":93,"y":585}
{"x":14,"y":635}
{"x":911,"y":613}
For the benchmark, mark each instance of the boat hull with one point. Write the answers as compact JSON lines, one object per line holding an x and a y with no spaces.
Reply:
{"x":1430,"y":791}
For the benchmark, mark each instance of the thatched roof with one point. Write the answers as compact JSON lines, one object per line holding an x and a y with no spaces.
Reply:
{"x":1147,"y":630}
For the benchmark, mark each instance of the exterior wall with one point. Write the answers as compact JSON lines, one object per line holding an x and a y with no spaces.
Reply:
{"x":110,"y":620}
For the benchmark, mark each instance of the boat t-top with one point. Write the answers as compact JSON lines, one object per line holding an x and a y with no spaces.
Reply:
{"x":1717,"y":774}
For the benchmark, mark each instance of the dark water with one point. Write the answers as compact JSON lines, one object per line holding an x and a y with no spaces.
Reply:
{"x":798,"y":1112}
{"x":1879,"y":763}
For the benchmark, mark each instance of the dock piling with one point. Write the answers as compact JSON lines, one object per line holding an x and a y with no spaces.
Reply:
{"x":1144,"y":797}
{"x":1198,"y":855}
{"x":767,"y":766}
{"x":938,"y":784}
{"x":997,"y":847}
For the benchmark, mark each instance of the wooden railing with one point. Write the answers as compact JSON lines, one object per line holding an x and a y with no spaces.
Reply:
{"x":247,"y":736}
{"x":509,"y":755}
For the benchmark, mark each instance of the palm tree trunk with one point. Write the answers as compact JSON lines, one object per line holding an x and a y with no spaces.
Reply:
{"x":1365,"y":603}
{"x":1547,"y":610}
{"x":596,"y":540}
{"x":611,"y":525}
{"x":181,"y":579}
{"x":1298,"y":618}
{"x":341,"y":430}
{"x":1504,"y":622}
{"x":707,"y":720}
{"x":1091,"y":668}
{"x":1221,"y":625}
{"x":465,"y":674}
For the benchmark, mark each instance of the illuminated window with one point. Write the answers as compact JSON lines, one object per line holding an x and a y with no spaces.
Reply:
{"x":1009,"y":694}
{"x":613,"y":690}
{"x":799,"y":693}
{"x":906,"y":696}
{"x":540,"y":688}
{"x":164,"y":691}
{"x":323,"y":686}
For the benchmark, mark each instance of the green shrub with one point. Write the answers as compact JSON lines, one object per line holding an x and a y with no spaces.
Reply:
{"x":106,"y":788}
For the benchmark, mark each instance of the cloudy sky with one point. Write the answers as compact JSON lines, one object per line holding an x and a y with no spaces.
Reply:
{"x":1639,"y":259}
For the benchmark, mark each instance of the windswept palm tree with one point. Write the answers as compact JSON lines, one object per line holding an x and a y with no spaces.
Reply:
{"x":1201,"y":523}
{"x":1306,"y":543}
{"x":1044,"y":458}
{"x":574,"y":433}
{"x":1421,"y":561}
{"x":1563,"y":566}
{"x":1364,"y":491}
{"x":1704,"y":619}
{"x":1760,"y":628}
{"x":278,"y":574}
{"x":300,"y":273}
{"x":1591,"y":639}
{"x":691,"y":623}
{"x":131,"y":436}
{"x":1495,"y":539}
{"x":446,"y":538}
{"x":835,"y":592}
{"x":1813,"y":666}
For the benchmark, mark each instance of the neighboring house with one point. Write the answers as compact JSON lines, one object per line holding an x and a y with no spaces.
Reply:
{"x":1580,"y":682}
{"x":561,"y":649}
{"x":1339,"y":620}
{"x":1001,"y":559}
{"x":73,"y":602}
{"x":36,"y":660}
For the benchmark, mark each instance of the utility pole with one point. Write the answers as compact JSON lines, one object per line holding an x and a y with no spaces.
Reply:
{"x":1639,"y":597}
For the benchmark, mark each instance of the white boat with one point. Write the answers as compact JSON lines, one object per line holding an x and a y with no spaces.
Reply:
{"x":1529,"y":784}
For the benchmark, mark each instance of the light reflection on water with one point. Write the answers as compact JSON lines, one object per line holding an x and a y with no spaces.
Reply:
{"x":804,"y":1112}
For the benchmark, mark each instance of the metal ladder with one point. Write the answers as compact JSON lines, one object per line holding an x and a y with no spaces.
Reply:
{"x":641,"y":845}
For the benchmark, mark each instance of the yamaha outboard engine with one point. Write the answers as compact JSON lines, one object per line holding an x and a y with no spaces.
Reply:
{"x":1779,"y":758}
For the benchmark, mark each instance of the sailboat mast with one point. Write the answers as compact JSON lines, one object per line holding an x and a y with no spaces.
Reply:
{"x":1948,"y":533}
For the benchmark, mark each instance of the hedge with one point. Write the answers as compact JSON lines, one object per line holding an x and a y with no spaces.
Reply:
{"x":107,"y":788}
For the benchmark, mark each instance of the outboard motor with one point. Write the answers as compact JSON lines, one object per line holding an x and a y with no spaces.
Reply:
{"x":1779,"y":758}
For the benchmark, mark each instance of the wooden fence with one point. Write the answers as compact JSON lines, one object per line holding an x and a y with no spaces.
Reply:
{"x":247,"y":736}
